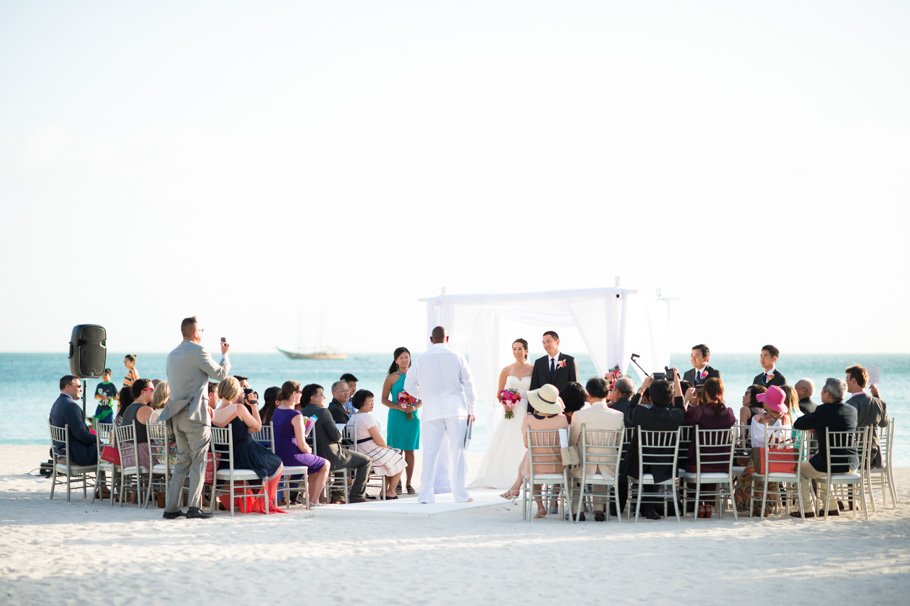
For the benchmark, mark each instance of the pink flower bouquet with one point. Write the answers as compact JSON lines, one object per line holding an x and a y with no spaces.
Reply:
{"x":404,"y":400}
{"x":509,"y":398}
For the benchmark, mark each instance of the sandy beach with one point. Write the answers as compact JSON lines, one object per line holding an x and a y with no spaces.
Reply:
{"x":79,"y":552}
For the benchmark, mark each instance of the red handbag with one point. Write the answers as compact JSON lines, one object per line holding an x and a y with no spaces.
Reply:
{"x":781,"y":460}
{"x":110,"y":454}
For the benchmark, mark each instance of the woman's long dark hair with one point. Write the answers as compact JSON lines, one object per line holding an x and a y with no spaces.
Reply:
{"x":126,"y":398}
{"x":268,"y":409}
{"x":398,"y":352}
{"x":714,"y":395}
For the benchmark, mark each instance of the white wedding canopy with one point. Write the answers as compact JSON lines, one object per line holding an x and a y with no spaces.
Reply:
{"x":613,"y":323}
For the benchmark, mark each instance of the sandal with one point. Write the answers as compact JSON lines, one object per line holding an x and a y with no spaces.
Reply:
{"x":511,"y":495}
{"x":398,"y":488}
{"x":541,"y":513}
{"x":411,"y":490}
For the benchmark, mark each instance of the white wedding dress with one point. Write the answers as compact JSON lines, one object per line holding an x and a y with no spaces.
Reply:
{"x":505,"y":448}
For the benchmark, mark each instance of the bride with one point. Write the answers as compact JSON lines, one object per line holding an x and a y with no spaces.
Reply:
{"x":500,"y":465}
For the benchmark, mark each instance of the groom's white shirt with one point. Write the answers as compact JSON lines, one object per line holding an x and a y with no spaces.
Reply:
{"x":442,"y":379}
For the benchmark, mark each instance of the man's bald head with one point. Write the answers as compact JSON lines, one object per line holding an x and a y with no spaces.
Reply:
{"x":804,"y":388}
{"x":438,"y":335}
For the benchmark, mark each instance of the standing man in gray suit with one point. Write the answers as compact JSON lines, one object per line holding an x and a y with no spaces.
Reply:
{"x":189,"y":368}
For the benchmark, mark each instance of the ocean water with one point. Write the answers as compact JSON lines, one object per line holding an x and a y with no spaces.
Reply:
{"x":29,"y":383}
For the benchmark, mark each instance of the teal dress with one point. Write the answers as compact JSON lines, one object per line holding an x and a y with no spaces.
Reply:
{"x":403,"y":434}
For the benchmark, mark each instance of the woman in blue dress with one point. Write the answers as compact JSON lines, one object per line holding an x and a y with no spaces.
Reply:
{"x":403,"y":432}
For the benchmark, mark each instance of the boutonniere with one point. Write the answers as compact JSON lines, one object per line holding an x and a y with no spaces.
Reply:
{"x":704,"y":374}
{"x":561,"y":364}
{"x":770,"y":376}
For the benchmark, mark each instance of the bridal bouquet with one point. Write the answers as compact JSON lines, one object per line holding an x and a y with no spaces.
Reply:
{"x":404,"y":400}
{"x":509,"y":398}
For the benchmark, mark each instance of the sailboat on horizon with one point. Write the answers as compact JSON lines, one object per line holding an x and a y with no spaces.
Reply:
{"x":321,"y":353}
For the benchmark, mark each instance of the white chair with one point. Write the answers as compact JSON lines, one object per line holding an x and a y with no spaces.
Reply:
{"x":67,"y":468}
{"x":843,"y":446}
{"x":603,"y":448}
{"x":713,"y":448}
{"x":543,"y":452}
{"x":655,"y":448}
{"x":293,"y":475}
{"x":883,"y":477}
{"x":340,"y":479}
{"x":129,"y":460}
{"x":743,"y":448}
{"x":159,"y":472}
{"x":104,"y":436}
{"x":374,"y":480}
{"x":223,"y":446}
{"x":781,"y":467}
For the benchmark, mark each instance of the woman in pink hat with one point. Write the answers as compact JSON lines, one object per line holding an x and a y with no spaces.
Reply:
{"x":774,"y":418}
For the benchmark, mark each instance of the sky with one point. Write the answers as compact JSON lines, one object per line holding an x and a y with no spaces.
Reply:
{"x":254,"y":164}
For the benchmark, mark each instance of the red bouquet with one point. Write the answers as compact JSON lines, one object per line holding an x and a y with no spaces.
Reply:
{"x":509,"y":398}
{"x":404,"y":400}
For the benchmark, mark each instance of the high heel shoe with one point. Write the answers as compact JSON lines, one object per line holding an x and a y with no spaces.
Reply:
{"x":511,"y":495}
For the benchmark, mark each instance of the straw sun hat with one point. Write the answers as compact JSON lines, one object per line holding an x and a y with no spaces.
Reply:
{"x":546,"y":400}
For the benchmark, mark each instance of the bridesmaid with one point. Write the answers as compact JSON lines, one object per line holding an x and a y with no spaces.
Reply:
{"x":403,"y":433}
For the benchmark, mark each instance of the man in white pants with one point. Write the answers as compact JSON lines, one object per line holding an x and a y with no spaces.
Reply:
{"x":442,"y":380}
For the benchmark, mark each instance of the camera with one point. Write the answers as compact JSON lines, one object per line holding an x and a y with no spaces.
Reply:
{"x":671,"y":373}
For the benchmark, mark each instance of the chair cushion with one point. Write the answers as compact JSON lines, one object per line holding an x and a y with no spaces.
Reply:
{"x":548,"y":477}
{"x":707,"y":478}
{"x":846,"y":478}
{"x":293,"y":471}
{"x":159,"y":468}
{"x":239,"y":474}
{"x":61,"y":467}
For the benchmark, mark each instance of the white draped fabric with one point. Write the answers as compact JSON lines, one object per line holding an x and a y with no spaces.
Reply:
{"x":613,"y":322}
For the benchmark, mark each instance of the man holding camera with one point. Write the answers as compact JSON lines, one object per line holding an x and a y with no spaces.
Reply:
{"x":189,"y":368}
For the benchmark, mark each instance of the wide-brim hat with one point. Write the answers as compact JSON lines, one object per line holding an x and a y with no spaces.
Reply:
{"x":773,"y":398}
{"x":546,"y":400}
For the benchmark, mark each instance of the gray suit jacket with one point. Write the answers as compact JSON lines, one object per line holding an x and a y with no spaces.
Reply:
{"x":871,"y":411}
{"x":189,"y":368}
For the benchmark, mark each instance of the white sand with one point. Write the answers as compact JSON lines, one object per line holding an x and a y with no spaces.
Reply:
{"x":54,"y":551}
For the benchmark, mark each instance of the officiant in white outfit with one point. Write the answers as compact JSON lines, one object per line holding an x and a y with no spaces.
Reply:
{"x":442,"y":380}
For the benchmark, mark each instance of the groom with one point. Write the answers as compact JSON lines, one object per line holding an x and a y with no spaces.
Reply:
{"x":554,"y":368}
{"x":442,"y":380}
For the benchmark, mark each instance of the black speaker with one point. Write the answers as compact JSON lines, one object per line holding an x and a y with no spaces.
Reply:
{"x":88,"y":351}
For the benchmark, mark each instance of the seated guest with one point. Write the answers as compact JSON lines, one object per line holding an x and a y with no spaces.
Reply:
{"x":773,"y":418}
{"x":700,"y":371}
{"x":804,"y":389}
{"x":351,"y":380}
{"x":573,"y":397}
{"x":139,"y":412}
{"x":547,"y":414}
{"x":66,"y":412}
{"x":340,"y":393}
{"x":160,"y":397}
{"x":621,"y":396}
{"x":791,"y":401}
{"x":710,"y":413}
{"x":125,"y":399}
{"x":271,"y":402}
{"x":328,"y":442}
{"x":213,"y":396}
{"x":751,"y":406}
{"x":871,"y":411}
{"x":770,"y":376}
{"x":290,"y":439}
{"x":386,"y":461}
{"x":597,"y":416}
{"x":660,"y":416}
{"x":833,"y":415}
{"x":248,"y":454}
